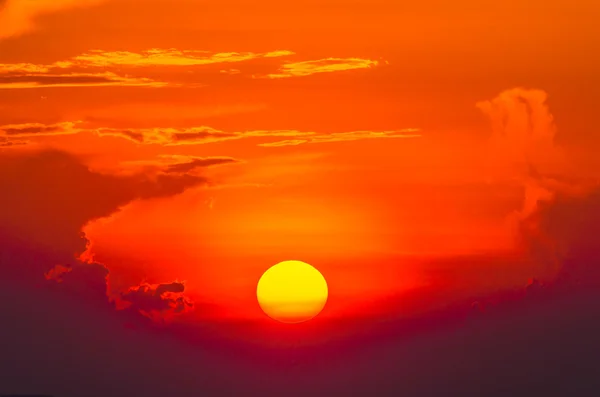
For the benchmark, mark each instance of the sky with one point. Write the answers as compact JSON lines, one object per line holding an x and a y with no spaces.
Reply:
{"x":437,"y":162}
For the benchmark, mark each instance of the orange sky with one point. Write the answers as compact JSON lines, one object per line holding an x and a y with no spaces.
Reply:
{"x":344,"y":134}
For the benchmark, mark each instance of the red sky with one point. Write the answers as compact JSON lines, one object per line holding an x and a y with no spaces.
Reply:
{"x":414,"y":153}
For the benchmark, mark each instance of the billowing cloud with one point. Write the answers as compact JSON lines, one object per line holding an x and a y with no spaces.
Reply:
{"x":48,"y":196}
{"x":523,"y":131}
{"x":18,"y":16}
{"x":561,"y":212}
{"x":328,"y":65}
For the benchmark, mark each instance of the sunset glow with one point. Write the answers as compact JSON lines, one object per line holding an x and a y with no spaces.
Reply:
{"x":165,"y":165}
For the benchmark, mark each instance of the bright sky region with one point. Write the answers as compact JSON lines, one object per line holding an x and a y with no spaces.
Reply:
{"x":156,"y":158}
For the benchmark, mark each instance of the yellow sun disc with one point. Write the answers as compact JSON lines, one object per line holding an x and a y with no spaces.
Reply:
{"x":292,"y":292}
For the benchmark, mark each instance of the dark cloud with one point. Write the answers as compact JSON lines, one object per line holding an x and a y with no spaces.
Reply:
{"x":6,"y":143}
{"x":83,"y":281}
{"x":16,"y":81}
{"x":158,"y":299}
{"x":35,"y":129}
{"x":196,"y":163}
{"x":562,"y":234}
{"x":47,"y":197}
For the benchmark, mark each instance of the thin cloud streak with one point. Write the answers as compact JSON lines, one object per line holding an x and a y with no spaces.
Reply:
{"x":165,"y":57}
{"x":180,"y":164}
{"x":328,"y":65}
{"x":39,"y":80}
{"x":346,"y":137}
{"x":99,"y":59}
{"x":38,"y":129}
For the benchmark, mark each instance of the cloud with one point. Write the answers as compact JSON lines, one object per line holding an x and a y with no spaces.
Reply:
{"x":7,"y":143}
{"x":287,"y":142}
{"x":560,"y":214}
{"x":190,"y":136}
{"x":47,"y":198}
{"x":561,"y":233}
{"x":83,"y":280}
{"x":156,"y":300}
{"x":201,"y":135}
{"x":328,"y":65}
{"x":18,"y":16}
{"x":346,"y":136}
{"x":230,"y":71}
{"x":187,"y":164}
{"x":93,"y":68}
{"x":165,"y":57}
{"x":37,"y":129}
{"x":45,"y":80}
{"x":90,"y":69}
{"x":168,"y":136}
{"x":181,"y":164}
{"x":523,"y":131}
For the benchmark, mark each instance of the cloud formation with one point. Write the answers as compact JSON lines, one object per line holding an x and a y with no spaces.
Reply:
{"x":90,"y":69}
{"x":561,"y":211}
{"x":202,"y":135}
{"x":523,"y":130}
{"x":18,"y":16}
{"x":122,"y":68}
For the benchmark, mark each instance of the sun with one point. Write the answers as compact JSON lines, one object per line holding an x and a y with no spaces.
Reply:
{"x":292,"y":292}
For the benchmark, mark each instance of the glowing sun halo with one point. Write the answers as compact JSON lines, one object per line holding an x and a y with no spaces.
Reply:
{"x":292,"y":292}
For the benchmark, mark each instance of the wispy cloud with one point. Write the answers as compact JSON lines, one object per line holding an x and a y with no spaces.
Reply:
{"x":347,"y":136}
{"x":8,"y":143}
{"x":180,"y":164}
{"x":99,"y":59}
{"x":165,"y":57}
{"x":328,"y":65}
{"x":38,"y":129}
{"x":191,"y":136}
{"x":287,"y":142}
{"x":41,"y":80}
{"x":18,"y":16}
